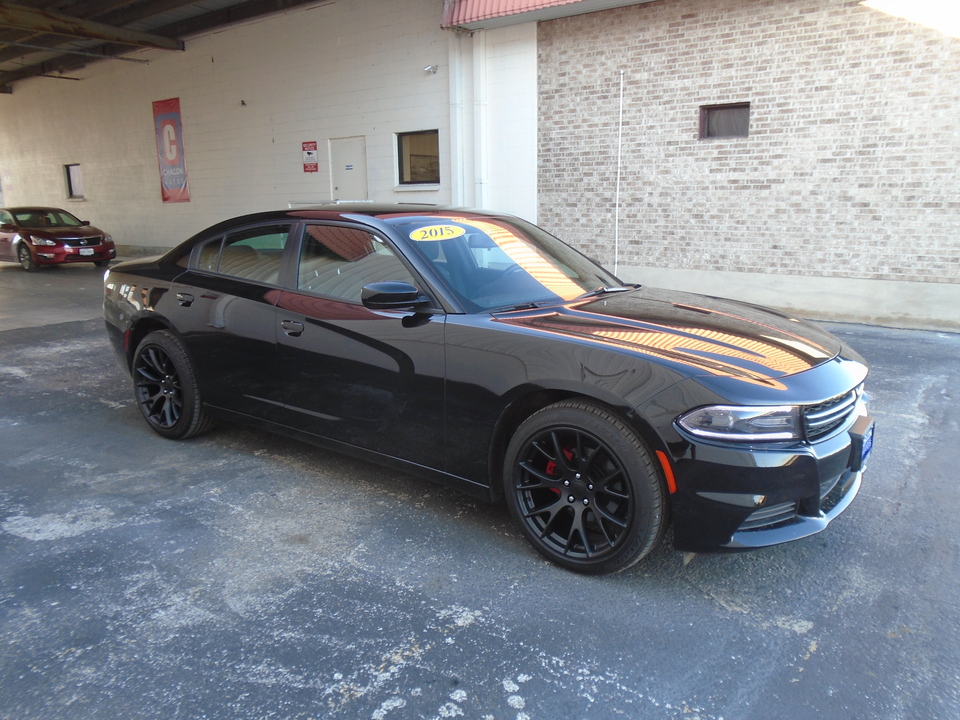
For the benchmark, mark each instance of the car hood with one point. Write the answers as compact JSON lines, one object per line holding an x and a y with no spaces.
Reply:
{"x":61,"y":234}
{"x":697,"y":335}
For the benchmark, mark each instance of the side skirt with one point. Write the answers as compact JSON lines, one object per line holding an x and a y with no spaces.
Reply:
{"x":455,"y":482}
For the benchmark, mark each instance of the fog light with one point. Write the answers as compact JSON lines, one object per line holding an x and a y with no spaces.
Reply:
{"x":48,"y":256}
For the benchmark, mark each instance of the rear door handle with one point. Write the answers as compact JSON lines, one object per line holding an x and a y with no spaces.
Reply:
{"x":185,"y":299}
{"x":292,"y":328}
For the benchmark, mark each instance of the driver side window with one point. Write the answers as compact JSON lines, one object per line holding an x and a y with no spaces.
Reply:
{"x":338,"y":261}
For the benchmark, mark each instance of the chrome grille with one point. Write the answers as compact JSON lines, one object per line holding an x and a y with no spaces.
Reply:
{"x":822,"y":419}
{"x":82,"y":242}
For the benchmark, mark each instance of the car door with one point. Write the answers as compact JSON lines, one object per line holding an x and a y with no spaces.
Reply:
{"x":7,"y":232}
{"x":224,"y":308}
{"x":373,"y":379}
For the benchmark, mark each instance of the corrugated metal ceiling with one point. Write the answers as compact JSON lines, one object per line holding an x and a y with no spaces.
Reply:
{"x":40,"y":38}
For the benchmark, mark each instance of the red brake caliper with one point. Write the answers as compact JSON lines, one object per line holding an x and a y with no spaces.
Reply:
{"x":551,"y":468}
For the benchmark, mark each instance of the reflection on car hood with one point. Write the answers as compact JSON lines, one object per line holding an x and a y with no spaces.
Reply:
{"x":65,"y":233}
{"x":703,"y":335}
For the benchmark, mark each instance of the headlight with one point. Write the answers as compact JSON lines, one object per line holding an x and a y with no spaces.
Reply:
{"x":107,"y":238}
{"x":43,"y":241}
{"x":735,"y":423}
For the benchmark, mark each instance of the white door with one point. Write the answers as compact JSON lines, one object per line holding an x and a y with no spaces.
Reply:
{"x":348,"y":168}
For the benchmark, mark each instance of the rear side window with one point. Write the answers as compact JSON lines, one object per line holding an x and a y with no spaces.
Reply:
{"x":252,"y":254}
{"x":337,"y":262}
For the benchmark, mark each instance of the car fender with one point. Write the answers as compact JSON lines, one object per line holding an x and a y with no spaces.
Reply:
{"x":525,"y":400}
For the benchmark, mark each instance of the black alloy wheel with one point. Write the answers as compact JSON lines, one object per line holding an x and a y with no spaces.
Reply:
{"x":584,"y":489}
{"x":25,"y":258}
{"x":166,"y":387}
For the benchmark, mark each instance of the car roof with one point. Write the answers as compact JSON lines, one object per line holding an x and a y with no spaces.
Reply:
{"x":345,"y":211}
{"x":378,"y":209}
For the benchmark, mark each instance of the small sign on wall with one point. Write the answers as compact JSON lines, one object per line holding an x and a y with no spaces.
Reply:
{"x":310,"y":160}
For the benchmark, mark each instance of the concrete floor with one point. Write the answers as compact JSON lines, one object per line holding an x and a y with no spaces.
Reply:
{"x":240,"y":575}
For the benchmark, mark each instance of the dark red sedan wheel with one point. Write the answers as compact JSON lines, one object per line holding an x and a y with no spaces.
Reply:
{"x":25,"y":258}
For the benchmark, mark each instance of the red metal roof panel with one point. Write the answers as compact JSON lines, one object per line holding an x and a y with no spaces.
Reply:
{"x":457,"y":13}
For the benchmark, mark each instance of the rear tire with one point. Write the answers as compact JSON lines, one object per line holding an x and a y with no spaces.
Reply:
{"x":25,"y":258}
{"x":584,"y":489}
{"x":101,"y":263}
{"x":166,"y":388}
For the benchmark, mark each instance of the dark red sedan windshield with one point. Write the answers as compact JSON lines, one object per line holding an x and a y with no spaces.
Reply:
{"x":43,"y":218}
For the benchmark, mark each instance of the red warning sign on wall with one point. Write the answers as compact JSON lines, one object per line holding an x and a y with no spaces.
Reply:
{"x":310,"y":160}
{"x":173,"y":167}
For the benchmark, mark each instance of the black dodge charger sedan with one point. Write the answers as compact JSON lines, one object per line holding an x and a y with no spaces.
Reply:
{"x":477,"y":350}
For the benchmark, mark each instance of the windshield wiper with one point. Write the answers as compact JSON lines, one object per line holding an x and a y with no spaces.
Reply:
{"x":605,"y":291}
{"x":509,"y":308}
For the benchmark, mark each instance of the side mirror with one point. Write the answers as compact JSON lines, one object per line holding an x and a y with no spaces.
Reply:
{"x":7,"y":228}
{"x":84,"y":222}
{"x":391,"y":295}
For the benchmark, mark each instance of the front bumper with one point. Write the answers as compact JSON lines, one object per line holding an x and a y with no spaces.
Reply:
{"x":47,"y":255}
{"x":732,"y":499}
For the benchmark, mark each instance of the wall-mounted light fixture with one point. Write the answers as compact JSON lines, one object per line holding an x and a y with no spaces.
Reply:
{"x":431,"y":69}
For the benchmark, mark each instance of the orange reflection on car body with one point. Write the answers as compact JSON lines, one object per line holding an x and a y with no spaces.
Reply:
{"x":522,"y":252}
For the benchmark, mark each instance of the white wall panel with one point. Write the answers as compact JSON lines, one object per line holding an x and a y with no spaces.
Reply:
{"x":511,"y":100}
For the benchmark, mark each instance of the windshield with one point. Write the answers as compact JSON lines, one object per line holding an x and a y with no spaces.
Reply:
{"x":495,"y":263}
{"x":42,"y":218}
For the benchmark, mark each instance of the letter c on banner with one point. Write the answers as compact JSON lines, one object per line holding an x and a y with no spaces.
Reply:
{"x":171,"y":152}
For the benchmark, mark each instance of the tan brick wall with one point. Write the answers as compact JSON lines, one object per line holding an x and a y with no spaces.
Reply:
{"x":851,"y":169}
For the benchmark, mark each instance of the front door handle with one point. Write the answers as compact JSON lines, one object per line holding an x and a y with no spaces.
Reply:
{"x":292,"y":328}
{"x":185,"y":299}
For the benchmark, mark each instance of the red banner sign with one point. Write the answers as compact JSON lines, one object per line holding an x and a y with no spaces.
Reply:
{"x":173,"y":167}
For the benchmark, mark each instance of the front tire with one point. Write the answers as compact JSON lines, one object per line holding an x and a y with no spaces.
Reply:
{"x":166,"y":388}
{"x":25,"y":258}
{"x":583,"y":488}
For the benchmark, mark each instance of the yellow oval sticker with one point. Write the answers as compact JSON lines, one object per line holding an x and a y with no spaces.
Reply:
{"x":437,"y":232}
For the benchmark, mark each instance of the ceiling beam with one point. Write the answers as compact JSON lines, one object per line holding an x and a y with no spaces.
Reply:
{"x":95,"y":9}
{"x":77,"y":51}
{"x":237,"y":13}
{"x":112,"y":12}
{"x":234,"y":13}
{"x":44,"y":21}
{"x":123,"y":16}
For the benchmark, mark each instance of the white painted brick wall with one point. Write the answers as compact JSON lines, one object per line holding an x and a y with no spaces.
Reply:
{"x":339,"y":70}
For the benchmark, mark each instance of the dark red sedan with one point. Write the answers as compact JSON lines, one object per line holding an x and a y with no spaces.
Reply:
{"x":37,"y":236}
